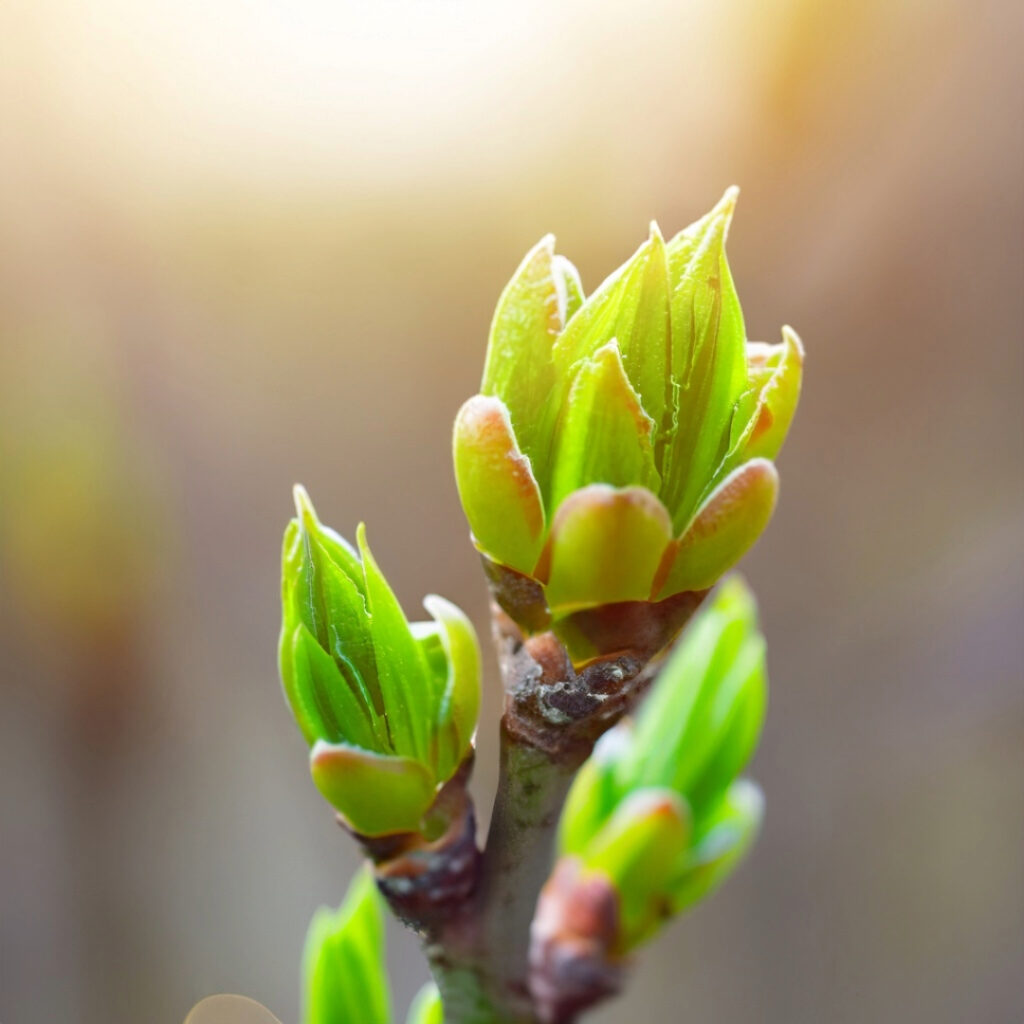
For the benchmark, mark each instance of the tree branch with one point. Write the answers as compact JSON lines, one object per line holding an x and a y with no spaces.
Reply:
{"x":474,"y":913}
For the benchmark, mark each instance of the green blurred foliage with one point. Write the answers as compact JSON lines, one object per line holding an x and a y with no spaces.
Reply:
{"x":657,"y":809}
{"x":344,"y":973}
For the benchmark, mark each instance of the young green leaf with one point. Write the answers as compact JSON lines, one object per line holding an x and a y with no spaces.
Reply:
{"x":629,"y":525}
{"x":344,"y":973}
{"x":725,"y":527}
{"x":632,"y":305}
{"x":723,"y":837}
{"x":594,"y":794}
{"x":459,"y":704}
{"x":389,"y":707}
{"x":777,"y":371}
{"x":705,"y":679}
{"x":735,"y":717}
{"x":426,"y":1007}
{"x":401,"y":671}
{"x":376,"y":794}
{"x":640,"y":850}
{"x":708,"y":358}
{"x":497,"y":486}
{"x":532,"y":310}
{"x":604,"y":435}
{"x":325,"y":705}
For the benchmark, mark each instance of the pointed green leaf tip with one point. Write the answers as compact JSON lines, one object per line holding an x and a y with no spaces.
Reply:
{"x":658,"y":807}
{"x":426,"y":1007}
{"x":389,"y":707}
{"x":647,"y":384}
{"x":343,"y":966}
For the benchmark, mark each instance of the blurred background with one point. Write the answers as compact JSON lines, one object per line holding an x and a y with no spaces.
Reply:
{"x":248,"y":242}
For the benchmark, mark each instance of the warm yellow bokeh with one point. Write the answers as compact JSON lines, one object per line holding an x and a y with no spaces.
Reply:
{"x":249,"y":243}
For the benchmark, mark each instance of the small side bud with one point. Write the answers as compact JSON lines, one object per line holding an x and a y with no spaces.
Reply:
{"x":388,"y":707}
{"x":574,"y":932}
{"x":657,"y":811}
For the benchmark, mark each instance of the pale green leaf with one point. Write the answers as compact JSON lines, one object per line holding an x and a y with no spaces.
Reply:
{"x":499,"y":494}
{"x":735,"y":717}
{"x":593,"y":795}
{"x":632,"y":305}
{"x":344,"y":972}
{"x":725,"y":527}
{"x":723,"y":837}
{"x":459,"y":705}
{"x":376,"y":794}
{"x":605,"y":547}
{"x":765,"y":410}
{"x":604,"y":435}
{"x":640,"y":849}
{"x":708,"y":358}
{"x":325,"y":704}
{"x":426,"y":1007}
{"x":532,"y":310}
{"x":673,"y":735}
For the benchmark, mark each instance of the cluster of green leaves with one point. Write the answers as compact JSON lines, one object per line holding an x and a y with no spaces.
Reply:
{"x":658,"y":808}
{"x":620,"y":448}
{"x":389,"y":707}
{"x":345,"y":977}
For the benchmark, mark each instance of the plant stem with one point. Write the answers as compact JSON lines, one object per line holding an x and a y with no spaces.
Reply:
{"x":481,"y":959}
{"x":479,"y":946}
{"x":520,"y":849}
{"x":467,"y":1000}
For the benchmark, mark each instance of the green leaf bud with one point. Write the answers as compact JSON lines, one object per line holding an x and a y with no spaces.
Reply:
{"x":657,"y":808}
{"x":343,"y":966}
{"x":595,"y":791}
{"x":388,"y":707}
{"x":640,"y":848}
{"x":426,"y":1007}
{"x":726,"y":832}
{"x":648,"y":386}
